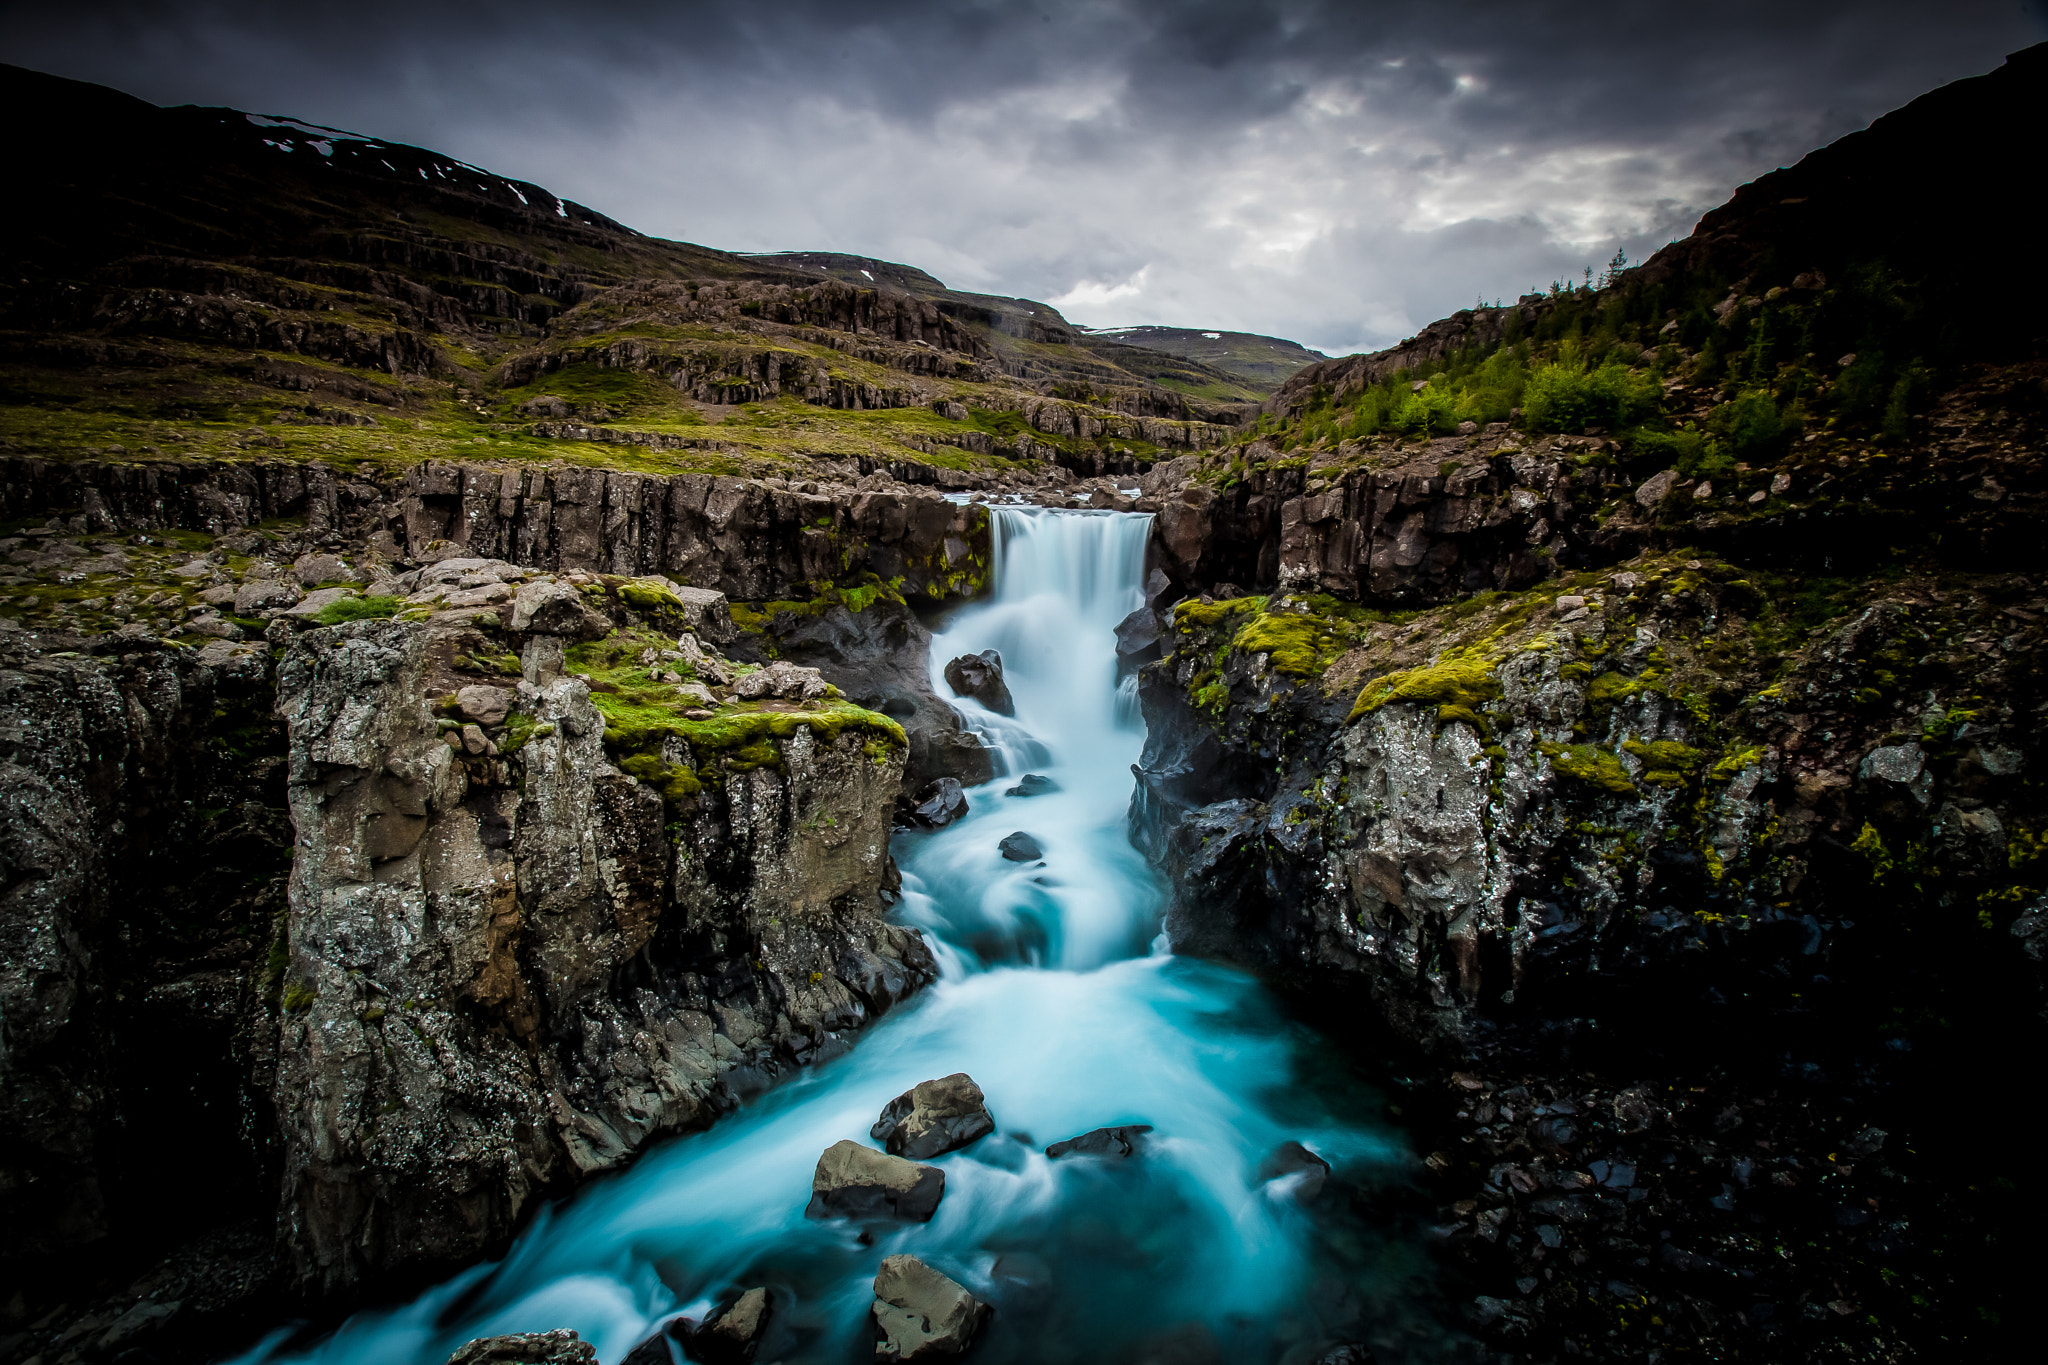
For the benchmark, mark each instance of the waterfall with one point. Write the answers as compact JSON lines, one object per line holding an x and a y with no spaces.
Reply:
{"x":1054,"y":1001}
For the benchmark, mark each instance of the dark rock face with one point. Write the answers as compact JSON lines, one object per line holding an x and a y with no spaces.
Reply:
{"x":921,"y":1314}
{"x":1117,"y":1142}
{"x":934,"y":1117}
{"x":139,"y":888}
{"x":1137,"y":640}
{"x":527,"y":1348}
{"x":853,"y":1181}
{"x":1032,"y":784}
{"x":939,"y":804}
{"x":1020,"y":847}
{"x":980,"y":676}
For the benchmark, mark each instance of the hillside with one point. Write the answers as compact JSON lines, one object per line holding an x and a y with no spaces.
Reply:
{"x":1034,"y":337}
{"x":205,"y":282}
{"x":1260,"y":362}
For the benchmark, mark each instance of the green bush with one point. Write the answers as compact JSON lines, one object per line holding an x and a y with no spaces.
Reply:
{"x":1569,"y":397}
{"x":1689,"y":452}
{"x":1753,"y":426}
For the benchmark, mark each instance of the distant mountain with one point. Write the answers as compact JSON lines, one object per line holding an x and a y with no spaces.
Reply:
{"x":1261,"y":361}
{"x":1231,"y":370}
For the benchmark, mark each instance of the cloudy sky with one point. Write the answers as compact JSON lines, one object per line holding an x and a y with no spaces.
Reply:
{"x":1337,"y":173}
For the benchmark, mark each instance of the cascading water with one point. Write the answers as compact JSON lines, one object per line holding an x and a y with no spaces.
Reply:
{"x":1054,"y":1002}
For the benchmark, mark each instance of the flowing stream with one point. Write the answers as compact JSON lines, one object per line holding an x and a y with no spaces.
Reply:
{"x":1058,"y":1001}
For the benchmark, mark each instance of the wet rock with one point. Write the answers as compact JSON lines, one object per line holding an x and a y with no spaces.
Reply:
{"x":527,"y":1348}
{"x":853,"y":1181}
{"x":940,"y":804}
{"x":921,"y":1314}
{"x":1032,"y":784}
{"x":1117,"y":1142}
{"x":1020,"y":847}
{"x":980,"y":676}
{"x":733,"y":1336}
{"x":1306,"y":1171}
{"x":933,"y":1117}
{"x":1138,"y":638}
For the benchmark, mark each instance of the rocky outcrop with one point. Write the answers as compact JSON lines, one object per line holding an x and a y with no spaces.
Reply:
{"x":512,"y":964}
{"x":748,"y":539}
{"x":527,"y":1348}
{"x":1476,"y":817}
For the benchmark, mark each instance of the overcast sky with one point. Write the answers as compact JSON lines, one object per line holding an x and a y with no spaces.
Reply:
{"x":1338,"y":173}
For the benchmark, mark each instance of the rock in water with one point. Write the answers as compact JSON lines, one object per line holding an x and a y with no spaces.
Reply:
{"x":853,"y":1181}
{"x":732,"y":1337}
{"x":940,"y":804}
{"x":980,"y":676}
{"x":1293,"y":1159}
{"x":934,"y":1117}
{"x":1033,"y":784}
{"x":527,"y":1348}
{"x":1118,"y":1142}
{"x":1020,"y":848}
{"x":921,"y":1314}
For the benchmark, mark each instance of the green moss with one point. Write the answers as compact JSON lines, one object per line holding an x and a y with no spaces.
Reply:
{"x":357,"y":609}
{"x":652,"y":598}
{"x":1463,"y":715}
{"x":1665,"y":754}
{"x":678,"y":785}
{"x":1460,"y":680}
{"x":1298,"y":644}
{"x":298,"y":997}
{"x":1591,"y":765}
{"x":760,"y":618}
{"x":1733,"y":762}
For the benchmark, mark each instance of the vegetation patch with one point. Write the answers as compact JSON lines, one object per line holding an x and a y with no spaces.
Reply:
{"x":358,"y":609}
{"x":1587,"y":763}
{"x":1459,"y":680}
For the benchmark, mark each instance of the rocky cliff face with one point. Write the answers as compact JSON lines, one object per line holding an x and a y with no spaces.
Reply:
{"x":748,"y":538}
{"x":572,"y":863}
{"x":508,"y":971}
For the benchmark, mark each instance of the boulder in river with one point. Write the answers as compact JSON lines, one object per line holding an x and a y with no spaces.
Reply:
{"x":1119,"y":1142}
{"x":1020,"y":848}
{"x":1033,"y":784}
{"x":733,"y":1336}
{"x":561,"y":1347}
{"x":934,"y":1117}
{"x":1293,"y":1159}
{"x":853,"y":1181}
{"x":980,"y":676}
{"x":940,"y":804}
{"x":921,"y":1314}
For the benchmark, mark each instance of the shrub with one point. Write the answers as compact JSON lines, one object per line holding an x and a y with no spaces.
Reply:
{"x":1569,"y":397}
{"x":1753,"y":426}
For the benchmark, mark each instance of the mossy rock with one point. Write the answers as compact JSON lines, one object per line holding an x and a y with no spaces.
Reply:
{"x":1462,"y":681}
{"x":1596,"y":767}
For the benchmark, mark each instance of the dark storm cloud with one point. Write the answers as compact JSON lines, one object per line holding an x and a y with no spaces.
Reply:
{"x":1340,"y":173}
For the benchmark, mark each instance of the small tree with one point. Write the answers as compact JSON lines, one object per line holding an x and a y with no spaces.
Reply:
{"x":1614,"y":268}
